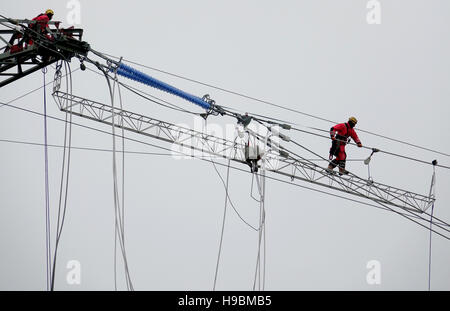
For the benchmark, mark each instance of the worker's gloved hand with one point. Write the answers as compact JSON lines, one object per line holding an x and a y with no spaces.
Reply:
{"x":359,"y":145}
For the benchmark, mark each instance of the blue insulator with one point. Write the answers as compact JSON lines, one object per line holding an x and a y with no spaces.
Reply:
{"x":141,"y":77}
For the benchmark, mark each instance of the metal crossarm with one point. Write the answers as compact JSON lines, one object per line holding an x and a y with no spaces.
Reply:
{"x":300,"y":169}
{"x":19,"y":59}
{"x":167,"y":132}
{"x":297,"y":168}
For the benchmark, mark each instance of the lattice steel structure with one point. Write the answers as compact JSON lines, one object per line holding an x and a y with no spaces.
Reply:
{"x":287,"y":163}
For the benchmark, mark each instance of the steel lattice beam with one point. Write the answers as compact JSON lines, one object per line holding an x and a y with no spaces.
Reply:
{"x":295,"y":167}
{"x":167,"y":132}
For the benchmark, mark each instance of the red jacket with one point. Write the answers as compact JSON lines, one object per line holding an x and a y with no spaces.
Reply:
{"x":41,"y":22}
{"x":344,"y":130}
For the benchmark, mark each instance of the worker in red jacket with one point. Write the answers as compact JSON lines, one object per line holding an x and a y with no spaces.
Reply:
{"x":41,"y":21}
{"x":340,"y":136}
{"x":39,"y":25}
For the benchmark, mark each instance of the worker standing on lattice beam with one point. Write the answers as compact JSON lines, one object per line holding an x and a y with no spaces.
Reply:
{"x":340,"y":136}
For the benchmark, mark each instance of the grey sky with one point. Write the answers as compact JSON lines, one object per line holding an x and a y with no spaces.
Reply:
{"x":320,"y":57}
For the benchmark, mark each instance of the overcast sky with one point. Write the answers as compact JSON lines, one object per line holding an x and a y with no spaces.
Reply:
{"x":319,"y":57}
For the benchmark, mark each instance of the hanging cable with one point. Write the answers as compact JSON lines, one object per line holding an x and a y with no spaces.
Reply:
{"x":116,"y":211}
{"x":229,"y":198}
{"x":118,"y":218}
{"x":261,"y":183}
{"x":429,"y":250}
{"x":47,"y":192}
{"x":64,"y":174}
{"x":223,"y":226}
{"x":251,"y":188}
{"x":432,"y":194}
{"x":122,"y":215}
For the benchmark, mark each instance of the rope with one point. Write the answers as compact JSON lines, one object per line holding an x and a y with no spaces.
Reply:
{"x":432,"y":194}
{"x":261,"y":232}
{"x":114,"y":191}
{"x":117,"y":212}
{"x":128,"y":277}
{"x":67,"y":145}
{"x":47,"y":192}
{"x":127,"y":274}
{"x":251,"y":188}
{"x":429,"y":250}
{"x":223,"y":182}
{"x":123,"y":178}
{"x":223,"y":225}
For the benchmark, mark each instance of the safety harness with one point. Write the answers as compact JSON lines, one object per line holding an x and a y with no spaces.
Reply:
{"x":340,"y":140}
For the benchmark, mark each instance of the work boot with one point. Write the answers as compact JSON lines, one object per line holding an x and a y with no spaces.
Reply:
{"x":343,"y":171}
{"x":329,"y":169}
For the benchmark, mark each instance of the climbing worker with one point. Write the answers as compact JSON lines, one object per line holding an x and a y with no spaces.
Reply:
{"x":340,"y":135}
{"x":38,"y":26}
{"x":41,"y":22}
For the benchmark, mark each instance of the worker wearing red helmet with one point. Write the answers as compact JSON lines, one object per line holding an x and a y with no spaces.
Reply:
{"x":340,"y":135}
